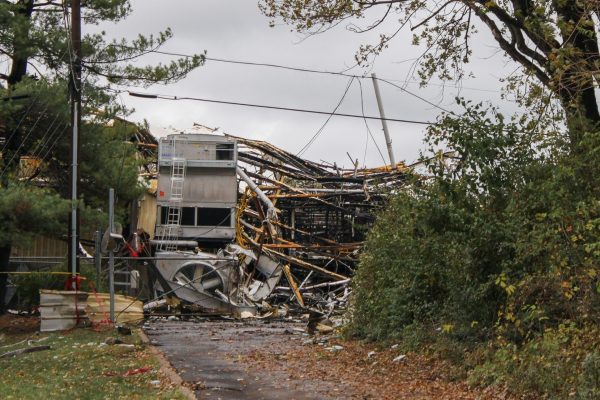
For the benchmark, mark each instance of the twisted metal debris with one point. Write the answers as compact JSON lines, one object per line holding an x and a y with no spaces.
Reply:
{"x":322,"y":215}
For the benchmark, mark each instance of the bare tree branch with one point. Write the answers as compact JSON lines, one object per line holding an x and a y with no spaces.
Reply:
{"x":376,"y":24}
{"x":433,"y":14}
{"x":510,"y":49}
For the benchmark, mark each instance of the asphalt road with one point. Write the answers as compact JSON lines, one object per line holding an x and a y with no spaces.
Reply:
{"x":215,"y":359}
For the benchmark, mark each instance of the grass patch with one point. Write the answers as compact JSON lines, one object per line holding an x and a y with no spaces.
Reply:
{"x":78,"y":367}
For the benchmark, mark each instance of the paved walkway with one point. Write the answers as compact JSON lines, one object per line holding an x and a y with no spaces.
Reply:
{"x":215,"y":358}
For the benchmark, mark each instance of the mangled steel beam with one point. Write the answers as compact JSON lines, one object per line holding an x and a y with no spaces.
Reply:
{"x":322,"y":215}
{"x":296,"y":218}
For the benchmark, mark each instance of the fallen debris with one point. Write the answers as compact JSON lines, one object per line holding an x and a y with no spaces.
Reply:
{"x":324,"y":329}
{"x":25,"y":350}
{"x":127,"y":309}
{"x":62,"y":310}
{"x":335,"y":348}
{"x":296,"y":218}
{"x":322,"y":214}
{"x":137,"y":371}
{"x":113,"y":340}
{"x":124,"y":330}
{"x":400,"y":358}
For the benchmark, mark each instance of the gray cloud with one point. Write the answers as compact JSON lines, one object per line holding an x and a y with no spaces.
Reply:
{"x":234,"y":29}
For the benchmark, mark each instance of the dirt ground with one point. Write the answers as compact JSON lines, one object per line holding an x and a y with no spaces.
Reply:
{"x":277,"y":360}
{"x":254,"y":359}
{"x":361,"y":374}
{"x":11,"y":324}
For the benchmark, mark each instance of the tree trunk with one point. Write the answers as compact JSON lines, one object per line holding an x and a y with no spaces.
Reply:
{"x":581,"y":109}
{"x":575,"y":81}
{"x":4,"y":258}
{"x":20,"y":56}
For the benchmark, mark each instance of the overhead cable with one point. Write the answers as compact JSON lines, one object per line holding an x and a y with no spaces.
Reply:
{"x":10,"y":137}
{"x":7,"y":165}
{"x":307,"y":70}
{"x":312,"y":139}
{"x":302,"y":110}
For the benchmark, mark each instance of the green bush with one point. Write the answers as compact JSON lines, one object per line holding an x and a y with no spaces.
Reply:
{"x":28,"y":288}
{"x":589,"y":379}
{"x":498,"y":249}
{"x":559,"y":364}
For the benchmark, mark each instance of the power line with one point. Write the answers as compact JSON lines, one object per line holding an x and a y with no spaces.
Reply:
{"x":302,"y":110}
{"x":6,"y":143}
{"x":312,"y":139}
{"x":44,"y":137}
{"x":316,"y":71}
{"x":51,"y":147}
{"x":46,"y":141}
{"x":7,"y":165}
{"x":415,"y":95}
{"x":258,"y":64}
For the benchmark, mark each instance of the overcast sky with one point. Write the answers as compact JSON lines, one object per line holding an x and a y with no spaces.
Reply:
{"x":235,"y":29}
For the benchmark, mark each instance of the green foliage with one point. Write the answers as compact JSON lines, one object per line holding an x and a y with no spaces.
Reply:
{"x":498,"y":245}
{"x":563,"y":363}
{"x":28,"y":287}
{"x":589,"y":379}
{"x":435,"y":252}
{"x":35,"y":40}
{"x":26,"y":210}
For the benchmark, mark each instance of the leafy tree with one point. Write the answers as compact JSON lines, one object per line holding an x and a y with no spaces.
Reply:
{"x":35,"y":122}
{"x":498,"y":248}
{"x":554,"y":41}
{"x":34,"y":38}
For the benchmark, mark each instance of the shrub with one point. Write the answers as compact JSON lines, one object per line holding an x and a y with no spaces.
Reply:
{"x":498,"y":250}
{"x":28,"y":288}
{"x":559,"y":364}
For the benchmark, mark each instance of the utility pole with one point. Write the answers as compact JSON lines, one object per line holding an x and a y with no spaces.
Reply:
{"x":388,"y":141}
{"x":75,"y":90}
{"x":111,"y":252}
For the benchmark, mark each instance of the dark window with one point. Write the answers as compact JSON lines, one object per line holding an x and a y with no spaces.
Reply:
{"x":163,"y":215}
{"x":214,"y":216}
{"x":225,"y":151}
{"x":188,"y":216}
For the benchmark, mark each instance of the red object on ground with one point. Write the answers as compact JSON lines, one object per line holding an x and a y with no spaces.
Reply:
{"x":137,"y":371}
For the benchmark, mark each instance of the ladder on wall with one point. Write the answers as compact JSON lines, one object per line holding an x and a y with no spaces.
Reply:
{"x":170,"y":230}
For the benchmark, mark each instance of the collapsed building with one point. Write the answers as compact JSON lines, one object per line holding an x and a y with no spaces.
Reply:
{"x":241,"y":223}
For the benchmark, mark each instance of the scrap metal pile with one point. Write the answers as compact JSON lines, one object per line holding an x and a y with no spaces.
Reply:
{"x":244,"y":227}
{"x":321,"y":214}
